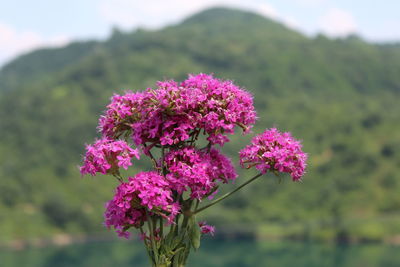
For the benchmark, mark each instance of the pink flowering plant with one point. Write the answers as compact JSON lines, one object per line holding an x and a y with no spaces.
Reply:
{"x":179,"y":127}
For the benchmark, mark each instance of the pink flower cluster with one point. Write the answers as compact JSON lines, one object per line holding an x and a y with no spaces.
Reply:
{"x":275,"y":151}
{"x":188,"y":169}
{"x":197,"y":170}
{"x":171,"y":118}
{"x":174,"y":112}
{"x":146,"y":191}
{"x":106,"y":156}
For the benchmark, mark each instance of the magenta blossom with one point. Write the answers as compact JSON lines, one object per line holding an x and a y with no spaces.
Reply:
{"x":275,"y":151}
{"x":106,"y":156}
{"x":177,"y":126}
{"x":206,"y":229}
{"x":198,"y":171}
{"x":146,"y":191}
{"x":175,"y":112}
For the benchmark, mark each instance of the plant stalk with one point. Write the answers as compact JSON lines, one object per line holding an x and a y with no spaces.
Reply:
{"x":152,"y":239}
{"x":227,"y":194}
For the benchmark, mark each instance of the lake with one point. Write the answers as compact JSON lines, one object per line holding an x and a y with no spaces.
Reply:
{"x":213,"y":253}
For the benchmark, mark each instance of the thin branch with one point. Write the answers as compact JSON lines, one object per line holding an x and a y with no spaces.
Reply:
{"x":161,"y":228}
{"x":118,"y":177}
{"x":153,"y":244}
{"x":227,"y":194}
{"x":151,"y":155}
{"x":146,"y":244}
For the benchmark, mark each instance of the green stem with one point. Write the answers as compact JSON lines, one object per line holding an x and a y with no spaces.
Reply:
{"x":163,"y":168}
{"x":197,"y":204}
{"x":184,"y":224}
{"x":119,"y":177}
{"x":227,"y":194}
{"x":161,"y":228}
{"x":174,"y":227}
{"x":145,"y":245}
{"x":153,"y":244}
{"x":154,"y":224}
{"x":153,"y":160}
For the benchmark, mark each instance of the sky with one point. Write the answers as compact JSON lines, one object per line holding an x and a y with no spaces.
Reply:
{"x":26,"y":25}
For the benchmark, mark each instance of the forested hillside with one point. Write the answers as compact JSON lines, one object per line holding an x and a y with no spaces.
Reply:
{"x":341,"y":96}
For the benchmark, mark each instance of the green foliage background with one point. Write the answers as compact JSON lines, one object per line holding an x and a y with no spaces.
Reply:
{"x":340,"y":96}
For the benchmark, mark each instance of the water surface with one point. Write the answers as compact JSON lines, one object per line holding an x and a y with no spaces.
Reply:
{"x":213,"y":253}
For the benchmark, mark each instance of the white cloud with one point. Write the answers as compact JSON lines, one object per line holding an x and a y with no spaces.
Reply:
{"x":13,"y":42}
{"x":156,"y":13}
{"x":266,"y":10}
{"x":292,"y":23}
{"x":311,"y":2}
{"x":384,"y":31}
{"x":337,"y":22}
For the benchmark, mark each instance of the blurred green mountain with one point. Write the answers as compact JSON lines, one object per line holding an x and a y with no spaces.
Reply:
{"x":339,"y":95}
